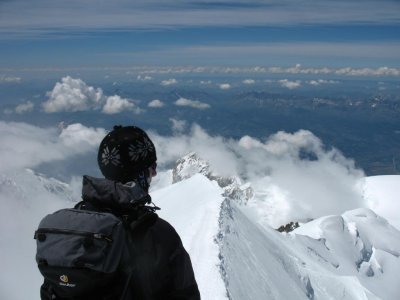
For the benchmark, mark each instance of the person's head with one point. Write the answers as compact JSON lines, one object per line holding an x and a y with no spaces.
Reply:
{"x":127,"y":154}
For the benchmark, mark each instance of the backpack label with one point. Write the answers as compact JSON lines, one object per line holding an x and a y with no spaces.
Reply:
{"x":64,"y":281}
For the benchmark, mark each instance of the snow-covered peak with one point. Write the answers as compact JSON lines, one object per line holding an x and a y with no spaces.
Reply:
{"x":232,"y":186}
{"x":190,"y":165}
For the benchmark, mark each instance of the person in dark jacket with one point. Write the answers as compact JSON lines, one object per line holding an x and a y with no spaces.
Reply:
{"x":162,"y":267}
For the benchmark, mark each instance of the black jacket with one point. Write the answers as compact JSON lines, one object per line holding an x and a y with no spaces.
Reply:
{"x":162,"y":267}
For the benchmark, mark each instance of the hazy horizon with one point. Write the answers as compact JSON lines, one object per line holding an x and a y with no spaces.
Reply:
{"x":334,"y":34}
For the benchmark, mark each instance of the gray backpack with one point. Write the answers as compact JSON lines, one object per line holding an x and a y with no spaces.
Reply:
{"x":82,"y":255}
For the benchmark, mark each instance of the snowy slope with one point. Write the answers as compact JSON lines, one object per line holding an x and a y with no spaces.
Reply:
{"x":193,"y":207}
{"x":354,"y":256}
{"x":350,"y":256}
{"x":24,"y":198}
{"x":362,"y":247}
{"x":255,"y":262}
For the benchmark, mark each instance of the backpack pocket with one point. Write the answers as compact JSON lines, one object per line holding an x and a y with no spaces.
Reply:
{"x":79,"y":252}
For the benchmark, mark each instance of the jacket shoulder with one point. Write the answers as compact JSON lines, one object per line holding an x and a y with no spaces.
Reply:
{"x":165,"y":231}
{"x":165,"y":225}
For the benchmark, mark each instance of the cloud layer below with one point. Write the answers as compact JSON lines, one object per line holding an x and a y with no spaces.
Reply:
{"x":292,"y":173}
{"x":27,"y":146}
{"x":293,"y":176}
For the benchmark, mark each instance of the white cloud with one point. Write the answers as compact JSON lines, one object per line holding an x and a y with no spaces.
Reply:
{"x":347,"y":71}
{"x":248,"y":143}
{"x":26,"y":146}
{"x":82,"y":137}
{"x":321,"y":81}
{"x":283,"y":143}
{"x":314,"y":82}
{"x":224,"y":86}
{"x":249,"y":81}
{"x":24,"y":107}
{"x":72,"y":95}
{"x":8,"y":111}
{"x":382,"y":71}
{"x":205,"y":82}
{"x":115,"y":104}
{"x":169,"y":82}
{"x":4,"y":78}
{"x":178,"y":125}
{"x":297,"y":69}
{"x":290,"y":84}
{"x":299,"y":160}
{"x":214,"y":149}
{"x":192,"y":103}
{"x":144,"y":77}
{"x":294,"y":176}
{"x":156,"y":103}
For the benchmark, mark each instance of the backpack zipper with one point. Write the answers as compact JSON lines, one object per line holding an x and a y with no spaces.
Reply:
{"x":98,"y":236}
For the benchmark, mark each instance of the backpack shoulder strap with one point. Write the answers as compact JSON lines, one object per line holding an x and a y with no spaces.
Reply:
{"x":128,"y":266}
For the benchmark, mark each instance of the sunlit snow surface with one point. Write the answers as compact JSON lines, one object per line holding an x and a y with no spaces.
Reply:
{"x":358,"y":249}
{"x":354,"y":255}
{"x":193,"y":206}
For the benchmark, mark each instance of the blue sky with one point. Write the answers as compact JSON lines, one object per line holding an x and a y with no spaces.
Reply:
{"x":92,"y":33}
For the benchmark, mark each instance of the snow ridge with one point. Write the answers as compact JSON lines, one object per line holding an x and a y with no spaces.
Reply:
{"x":254,"y":262}
{"x":333,"y":257}
{"x":353,"y":256}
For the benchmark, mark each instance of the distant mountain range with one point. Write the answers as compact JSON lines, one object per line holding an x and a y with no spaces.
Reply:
{"x":359,"y":117}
